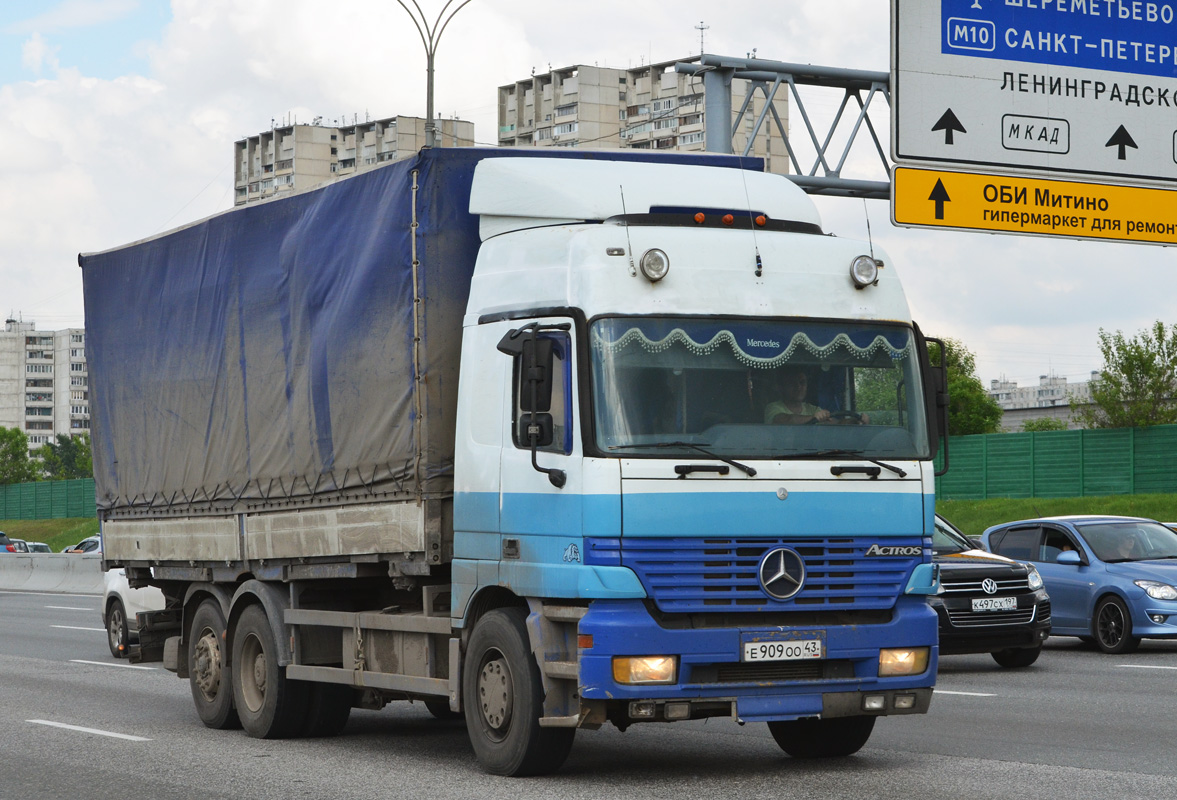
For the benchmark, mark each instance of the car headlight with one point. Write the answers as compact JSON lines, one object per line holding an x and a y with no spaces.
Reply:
{"x":1034,"y":579}
{"x":1157,"y":590}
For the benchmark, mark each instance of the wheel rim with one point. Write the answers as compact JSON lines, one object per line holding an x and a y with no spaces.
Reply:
{"x":252,"y":673}
{"x":1111,"y":625}
{"x":496,"y":694}
{"x":115,"y":629}
{"x":207,"y":667}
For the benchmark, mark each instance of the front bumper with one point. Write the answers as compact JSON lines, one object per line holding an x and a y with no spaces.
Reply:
{"x":710,"y":666}
{"x":962,"y":632}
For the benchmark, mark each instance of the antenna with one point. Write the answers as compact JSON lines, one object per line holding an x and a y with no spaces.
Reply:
{"x":752,"y":225}
{"x":870,"y":242}
{"x":633,"y":270}
{"x":701,"y":28}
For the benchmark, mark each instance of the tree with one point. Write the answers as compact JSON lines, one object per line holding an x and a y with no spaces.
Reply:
{"x":15,"y":464}
{"x":67,"y":459}
{"x":1043,"y":424}
{"x":970,"y":408}
{"x":1137,"y":385}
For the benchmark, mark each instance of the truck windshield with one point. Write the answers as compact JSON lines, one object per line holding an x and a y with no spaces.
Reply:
{"x":756,"y":388}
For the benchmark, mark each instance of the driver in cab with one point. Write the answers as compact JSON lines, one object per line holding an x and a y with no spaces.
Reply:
{"x":792,"y":408}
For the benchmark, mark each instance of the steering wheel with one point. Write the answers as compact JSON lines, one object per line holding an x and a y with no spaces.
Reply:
{"x":854,"y":415}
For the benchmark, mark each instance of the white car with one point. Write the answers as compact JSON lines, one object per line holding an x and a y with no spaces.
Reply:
{"x":120,"y":604}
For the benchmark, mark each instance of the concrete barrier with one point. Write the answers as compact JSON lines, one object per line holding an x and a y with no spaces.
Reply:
{"x":66,"y":573}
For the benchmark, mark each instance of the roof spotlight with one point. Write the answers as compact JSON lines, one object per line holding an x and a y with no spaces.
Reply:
{"x":864,"y":271}
{"x":655,"y":264}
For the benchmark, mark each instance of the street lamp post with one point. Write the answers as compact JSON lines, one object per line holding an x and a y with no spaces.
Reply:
{"x":430,"y":38}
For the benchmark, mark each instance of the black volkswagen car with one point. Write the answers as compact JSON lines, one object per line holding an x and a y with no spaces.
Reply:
{"x":990,"y":604}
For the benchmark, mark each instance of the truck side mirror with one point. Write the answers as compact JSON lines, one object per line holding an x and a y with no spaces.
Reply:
{"x":537,"y":371}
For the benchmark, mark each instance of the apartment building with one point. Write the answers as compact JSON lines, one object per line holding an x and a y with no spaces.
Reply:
{"x":44,"y":382}
{"x":296,"y":157}
{"x":648,"y":107}
{"x":1051,"y":390}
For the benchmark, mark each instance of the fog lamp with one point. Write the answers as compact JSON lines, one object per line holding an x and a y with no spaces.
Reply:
{"x":655,"y":264}
{"x":896,"y":661}
{"x":677,"y":710}
{"x":644,"y":669}
{"x":1157,"y":618}
{"x":864,"y":271}
{"x":905,"y":701}
{"x":642,"y":709}
{"x":874,"y":702}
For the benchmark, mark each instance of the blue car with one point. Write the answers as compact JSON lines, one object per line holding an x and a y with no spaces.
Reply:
{"x":1112,"y":580}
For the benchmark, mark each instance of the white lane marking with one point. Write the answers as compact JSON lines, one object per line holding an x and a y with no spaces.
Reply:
{"x":108,"y":664}
{"x":94,"y":731}
{"x":965,"y":694}
{"x":1143,"y":666}
{"x":77,"y":628}
{"x":71,"y":608}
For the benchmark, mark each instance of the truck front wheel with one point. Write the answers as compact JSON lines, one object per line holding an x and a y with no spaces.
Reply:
{"x":503,"y":699}
{"x":207,"y":676}
{"x":822,"y":738}
{"x":270,"y":706}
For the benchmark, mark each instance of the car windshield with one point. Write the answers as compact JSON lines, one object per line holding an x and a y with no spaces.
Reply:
{"x":756,"y":388}
{"x":1130,"y":541}
{"x":946,"y":540}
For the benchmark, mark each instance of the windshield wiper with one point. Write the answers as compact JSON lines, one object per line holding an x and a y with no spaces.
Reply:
{"x":747,"y":470}
{"x":902,"y":473}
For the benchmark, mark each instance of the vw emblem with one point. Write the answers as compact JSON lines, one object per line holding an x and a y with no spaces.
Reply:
{"x":782,"y":572}
{"x":989,"y":586}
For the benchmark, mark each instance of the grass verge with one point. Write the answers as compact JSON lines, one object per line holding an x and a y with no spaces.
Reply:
{"x":57,"y":533}
{"x":974,"y":516}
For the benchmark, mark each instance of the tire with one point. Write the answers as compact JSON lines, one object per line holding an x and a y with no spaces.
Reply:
{"x":208,"y":677}
{"x":1112,"y":626}
{"x":269,"y":705}
{"x":822,"y":738}
{"x":117,"y":633}
{"x":440,"y":709}
{"x":504,"y":699}
{"x":328,"y":708}
{"x":1017,"y":657}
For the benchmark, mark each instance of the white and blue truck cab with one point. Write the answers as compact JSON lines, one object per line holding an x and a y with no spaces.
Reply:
{"x":674,"y":460}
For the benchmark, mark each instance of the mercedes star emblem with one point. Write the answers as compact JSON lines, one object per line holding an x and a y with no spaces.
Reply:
{"x":782,"y":572}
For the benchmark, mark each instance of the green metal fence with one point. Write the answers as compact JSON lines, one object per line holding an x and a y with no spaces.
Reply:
{"x":1061,"y":464}
{"x":48,"y":500}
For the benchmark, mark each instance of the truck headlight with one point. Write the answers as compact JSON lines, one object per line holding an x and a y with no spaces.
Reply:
{"x":655,"y":264}
{"x":644,"y":669}
{"x":896,"y":661}
{"x":864,"y":271}
{"x":1157,"y":590}
{"x":1034,"y":579}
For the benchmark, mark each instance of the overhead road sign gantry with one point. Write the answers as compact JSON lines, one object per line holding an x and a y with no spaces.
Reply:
{"x":1056,"y":88}
{"x":975,"y":201}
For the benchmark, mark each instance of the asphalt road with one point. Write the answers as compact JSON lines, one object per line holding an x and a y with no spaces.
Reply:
{"x":1077,"y":724}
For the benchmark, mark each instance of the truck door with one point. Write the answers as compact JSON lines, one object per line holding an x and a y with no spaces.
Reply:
{"x":540,"y":502}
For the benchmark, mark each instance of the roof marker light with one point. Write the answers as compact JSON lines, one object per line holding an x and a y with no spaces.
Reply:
{"x":761,"y":220}
{"x":700,"y":217}
{"x":728,"y":219}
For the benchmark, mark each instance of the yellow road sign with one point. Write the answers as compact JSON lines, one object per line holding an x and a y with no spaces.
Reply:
{"x":1012,"y":204}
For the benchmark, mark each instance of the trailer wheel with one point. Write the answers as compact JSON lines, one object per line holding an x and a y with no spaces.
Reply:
{"x":822,"y":738}
{"x":270,"y":706}
{"x":207,"y":675}
{"x":504,"y":699}
{"x":328,"y":708}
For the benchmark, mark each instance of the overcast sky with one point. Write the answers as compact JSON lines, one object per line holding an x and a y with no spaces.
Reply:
{"x":118,"y":117}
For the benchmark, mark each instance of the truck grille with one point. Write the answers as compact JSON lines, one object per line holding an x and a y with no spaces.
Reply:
{"x":713,"y":575}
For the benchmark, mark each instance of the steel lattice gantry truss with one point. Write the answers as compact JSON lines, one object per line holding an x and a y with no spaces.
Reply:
{"x":767,"y":78}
